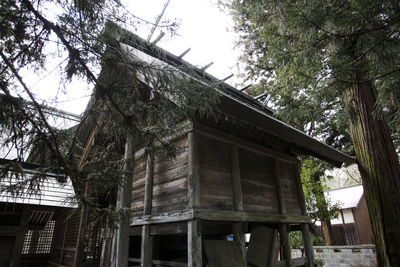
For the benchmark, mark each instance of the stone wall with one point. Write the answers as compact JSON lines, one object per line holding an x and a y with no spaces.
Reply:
{"x":343,"y":256}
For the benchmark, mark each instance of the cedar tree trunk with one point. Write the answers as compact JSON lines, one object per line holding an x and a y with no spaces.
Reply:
{"x":326,"y":225}
{"x":327,"y":231}
{"x":379,"y":168}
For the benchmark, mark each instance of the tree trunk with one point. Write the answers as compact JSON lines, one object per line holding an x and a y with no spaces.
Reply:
{"x":327,"y":231}
{"x":379,"y":168}
{"x":326,"y":225}
{"x":120,"y":250}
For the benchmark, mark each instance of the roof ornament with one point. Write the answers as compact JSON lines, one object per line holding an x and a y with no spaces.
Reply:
{"x":161,"y":35}
{"x":266,"y":100}
{"x":260,"y":96}
{"x":245,"y":88}
{"x":227,"y":77}
{"x":157,"y":21}
{"x":184,"y":53}
{"x":207,"y":66}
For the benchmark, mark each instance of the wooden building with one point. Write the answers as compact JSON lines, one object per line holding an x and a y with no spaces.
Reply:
{"x":31,"y":224}
{"x":234,"y":176}
{"x":353,"y":224}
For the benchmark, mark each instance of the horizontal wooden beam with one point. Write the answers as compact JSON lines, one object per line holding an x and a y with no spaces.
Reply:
{"x":242,"y":143}
{"x":240,"y":216}
{"x":53,"y":263}
{"x":170,"y":263}
{"x":218,"y":215}
{"x":6,"y":230}
{"x":163,"y":218}
{"x":181,"y":129}
{"x":160,"y":262}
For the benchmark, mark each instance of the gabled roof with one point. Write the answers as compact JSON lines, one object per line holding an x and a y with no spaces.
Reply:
{"x":238,"y":104}
{"x":347,"y":197}
{"x":52,"y":193}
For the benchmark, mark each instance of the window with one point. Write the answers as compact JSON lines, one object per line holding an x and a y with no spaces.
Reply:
{"x":39,"y":241}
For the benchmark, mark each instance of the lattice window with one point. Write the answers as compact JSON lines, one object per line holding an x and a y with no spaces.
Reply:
{"x":27,"y":242}
{"x":39,"y":241}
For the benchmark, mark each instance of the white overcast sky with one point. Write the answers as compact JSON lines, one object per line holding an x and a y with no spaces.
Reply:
{"x":203,"y":27}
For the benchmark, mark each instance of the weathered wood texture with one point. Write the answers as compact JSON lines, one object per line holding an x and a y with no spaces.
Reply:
{"x":263,"y":247}
{"x":256,"y":171}
{"x":194,"y":239}
{"x":139,"y":174}
{"x":258,"y":185}
{"x":289,"y":188}
{"x":169,"y":182}
{"x":223,"y":253}
{"x":215,"y":174}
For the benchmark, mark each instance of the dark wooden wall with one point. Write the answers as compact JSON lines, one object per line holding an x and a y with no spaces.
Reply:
{"x":215,"y":175}
{"x":259,"y":190}
{"x":259,"y":193}
{"x":169,"y":181}
{"x":258,"y":186}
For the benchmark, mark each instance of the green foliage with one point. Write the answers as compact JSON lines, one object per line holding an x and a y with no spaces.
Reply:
{"x":318,"y":207}
{"x":319,"y":262}
{"x":145,"y":99}
{"x":314,"y":57}
{"x":303,"y":53}
{"x":296,"y":240}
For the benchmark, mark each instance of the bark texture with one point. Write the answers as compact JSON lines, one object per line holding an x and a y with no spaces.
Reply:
{"x":327,"y":231}
{"x":379,"y":168}
{"x":326,"y":225}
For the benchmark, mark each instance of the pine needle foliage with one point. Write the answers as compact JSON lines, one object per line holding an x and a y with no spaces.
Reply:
{"x":131,"y":96}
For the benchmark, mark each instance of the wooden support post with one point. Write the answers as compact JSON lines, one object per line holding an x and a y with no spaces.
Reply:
{"x":148,"y":184}
{"x":308,"y":245}
{"x":283,"y":228}
{"x":239,"y":235}
{"x":194,"y":240}
{"x":79,"y":252}
{"x":236,"y":182}
{"x":238,"y":228}
{"x":146,"y":258}
{"x":305,"y":228}
{"x":60,"y":221}
{"x":19,"y":239}
{"x":147,"y":241}
{"x":121,"y":237}
{"x":287,"y":254}
{"x":80,"y":242}
{"x":194,"y":237}
{"x":193,"y":171}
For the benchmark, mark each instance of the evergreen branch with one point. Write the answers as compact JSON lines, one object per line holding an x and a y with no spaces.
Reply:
{"x":53,"y":147}
{"x":343,"y":35}
{"x":23,"y":50}
{"x":75,"y":55}
{"x":374,"y":45}
{"x":369,"y":80}
{"x":141,"y":19}
{"x":73,"y":52}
